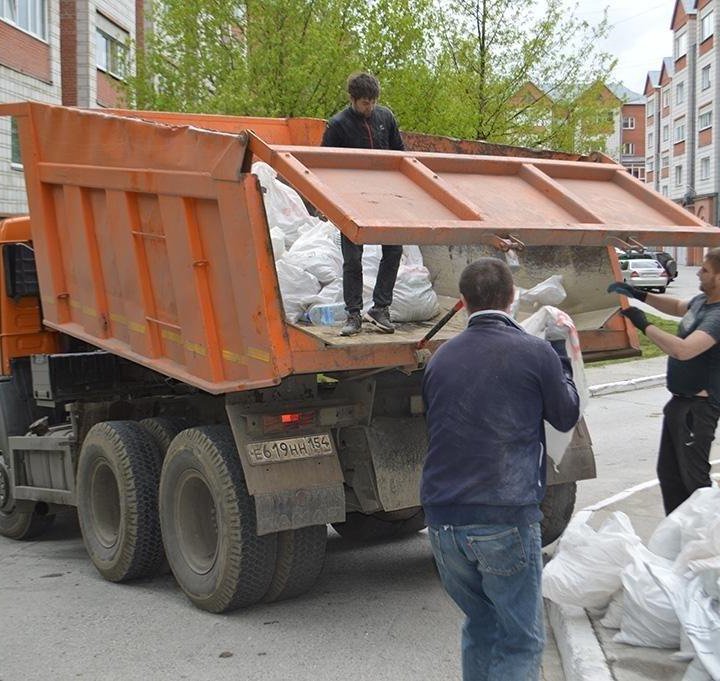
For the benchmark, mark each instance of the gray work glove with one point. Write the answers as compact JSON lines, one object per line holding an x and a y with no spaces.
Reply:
{"x":628,"y":290}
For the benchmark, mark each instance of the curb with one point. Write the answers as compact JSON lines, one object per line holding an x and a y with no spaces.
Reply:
{"x":625,"y":386}
{"x":580,"y":652}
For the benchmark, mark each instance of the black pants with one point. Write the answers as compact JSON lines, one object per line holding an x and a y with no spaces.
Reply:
{"x":353,"y":275}
{"x":684,"y":459}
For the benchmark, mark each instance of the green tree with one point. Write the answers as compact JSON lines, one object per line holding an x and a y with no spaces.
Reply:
{"x":495,"y":52}
{"x":510,"y":71}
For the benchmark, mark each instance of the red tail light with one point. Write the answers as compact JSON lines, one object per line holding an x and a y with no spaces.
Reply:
{"x":273,"y":423}
{"x":634,"y":274}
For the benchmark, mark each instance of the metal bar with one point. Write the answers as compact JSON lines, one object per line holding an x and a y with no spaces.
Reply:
{"x":146,"y":181}
{"x":434,"y":185}
{"x":558,"y":194}
{"x":664,"y":205}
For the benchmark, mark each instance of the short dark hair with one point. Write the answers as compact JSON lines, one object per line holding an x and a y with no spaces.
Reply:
{"x":713,"y":257}
{"x":487,"y":284}
{"x":363,"y":86}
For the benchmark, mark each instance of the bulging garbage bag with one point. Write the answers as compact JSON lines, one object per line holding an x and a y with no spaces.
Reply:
{"x":686,"y":523}
{"x":297,"y":288}
{"x":648,"y":617}
{"x":587,"y":565}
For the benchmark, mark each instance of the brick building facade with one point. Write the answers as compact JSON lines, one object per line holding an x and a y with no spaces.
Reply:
{"x":68,"y":52}
{"x":682,"y":161}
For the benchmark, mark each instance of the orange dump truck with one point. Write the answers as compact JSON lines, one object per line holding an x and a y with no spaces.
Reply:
{"x":151,"y":380}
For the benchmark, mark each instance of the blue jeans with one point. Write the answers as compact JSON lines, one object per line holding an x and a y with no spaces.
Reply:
{"x":493,"y":573}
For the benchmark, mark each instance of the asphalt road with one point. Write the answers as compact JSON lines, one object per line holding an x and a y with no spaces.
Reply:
{"x":377,"y":614}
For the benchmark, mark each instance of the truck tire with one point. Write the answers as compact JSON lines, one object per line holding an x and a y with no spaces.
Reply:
{"x":300,"y":559}
{"x":17,"y":412}
{"x":381,"y":525}
{"x":163,"y":430}
{"x":208,"y":523}
{"x":15,"y":524}
{"x":117,"y":487}
{"x":557,"y":508}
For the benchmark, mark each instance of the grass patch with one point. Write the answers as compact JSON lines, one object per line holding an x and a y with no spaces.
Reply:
{"x":647,"y":347}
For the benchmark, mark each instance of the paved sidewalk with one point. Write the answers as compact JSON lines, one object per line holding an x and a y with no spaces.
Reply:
{"x":587,"y":650}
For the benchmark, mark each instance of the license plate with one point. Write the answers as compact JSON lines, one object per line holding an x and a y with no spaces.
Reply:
{"x":290,"y":449}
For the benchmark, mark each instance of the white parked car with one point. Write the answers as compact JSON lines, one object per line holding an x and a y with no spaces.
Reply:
{"x":645,"y":274}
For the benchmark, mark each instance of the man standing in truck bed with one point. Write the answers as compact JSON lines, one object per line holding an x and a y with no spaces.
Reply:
{"x":486,"y":393}
{"x":364,"y":124}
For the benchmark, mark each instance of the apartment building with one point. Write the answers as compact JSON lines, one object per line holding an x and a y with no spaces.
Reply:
{"x":682,"y":160}
{"x":68,"y":52}
{"x":627,"y":143}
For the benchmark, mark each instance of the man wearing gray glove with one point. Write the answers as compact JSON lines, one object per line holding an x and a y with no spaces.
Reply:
{"x":693,"y":378}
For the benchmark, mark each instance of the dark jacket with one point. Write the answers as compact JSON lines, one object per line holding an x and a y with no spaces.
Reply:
{"x":486,"y":394}
{"x":352,"y":130}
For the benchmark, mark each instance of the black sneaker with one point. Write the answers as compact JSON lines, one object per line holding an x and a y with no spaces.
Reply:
{"x":353,"y":324}
{"x":380,"y":317}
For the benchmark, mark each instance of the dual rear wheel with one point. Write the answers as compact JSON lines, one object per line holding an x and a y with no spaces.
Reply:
{"x":158,"y":491}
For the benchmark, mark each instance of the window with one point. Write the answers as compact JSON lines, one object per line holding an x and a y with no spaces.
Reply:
{"x":679,"y":130}
{"x":665,"y":133}
{"x":15,"y":159}
{"x":650,"y":165}
{"x":680,"y":93}
{"x":680,"y":45}
{"x":651,"y":139}
{"x":637,"y":171}
{"x":706,"y":26}
{"x":628,"y":148}
{"x":705,"y":168}
{"x":663,"y":190}
{"x":110,"y":47}
{"x":705,"y":119}
{"x":665,"y":162}
{"x":705,"y":77}
{"x":628,"y":123}
{"x":678,"y":176}
{"x":29,"y":15}
{"x":666,"y":98}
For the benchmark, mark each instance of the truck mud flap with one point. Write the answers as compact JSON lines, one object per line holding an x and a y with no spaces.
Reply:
{"x":296,"y":479}
{"x":397,"y":448}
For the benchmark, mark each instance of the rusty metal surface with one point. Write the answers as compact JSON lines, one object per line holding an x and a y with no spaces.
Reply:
{"x":392,"y":197}
{"x":417,"y":141}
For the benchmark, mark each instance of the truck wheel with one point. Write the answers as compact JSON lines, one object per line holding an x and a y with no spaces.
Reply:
{"x":381,"y":525}
{"x":117,"y":486}
{"x":300,"y":558}
{"x":163,"y":430}
{"x":208,"y":523}
{"x":16,"y":524}
{"x":557,"y":508}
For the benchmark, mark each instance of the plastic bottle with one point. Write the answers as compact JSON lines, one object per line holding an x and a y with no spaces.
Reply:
{"x":327,"y":314}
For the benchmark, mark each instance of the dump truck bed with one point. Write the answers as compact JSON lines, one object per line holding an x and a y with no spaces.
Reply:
{"x":151,"y":238}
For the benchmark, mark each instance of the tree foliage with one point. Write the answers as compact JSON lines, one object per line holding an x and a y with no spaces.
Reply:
{"x":511,"y":71}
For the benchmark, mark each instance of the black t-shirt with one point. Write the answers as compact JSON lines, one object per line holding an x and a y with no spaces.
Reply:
{"x":702,"y":372}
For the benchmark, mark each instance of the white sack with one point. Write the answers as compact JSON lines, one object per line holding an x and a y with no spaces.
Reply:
{"x":686,"y":523}
{"x":551,"y":321}
{"x":704,"y":553}
{"x":702,"y":624}
{"x":317,"y":252}
{"x":283,"y":205}
{"x":297,"y":288}
{"x":648,"y":617}
{"x":586,"y":568}
{"x":613,"y":616}
{"x":414,"y":299}
{"x":277,"y":237}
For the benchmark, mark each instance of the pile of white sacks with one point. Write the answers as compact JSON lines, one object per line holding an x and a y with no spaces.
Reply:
{"x":665,"y":595}
{"x":309,"y":262}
